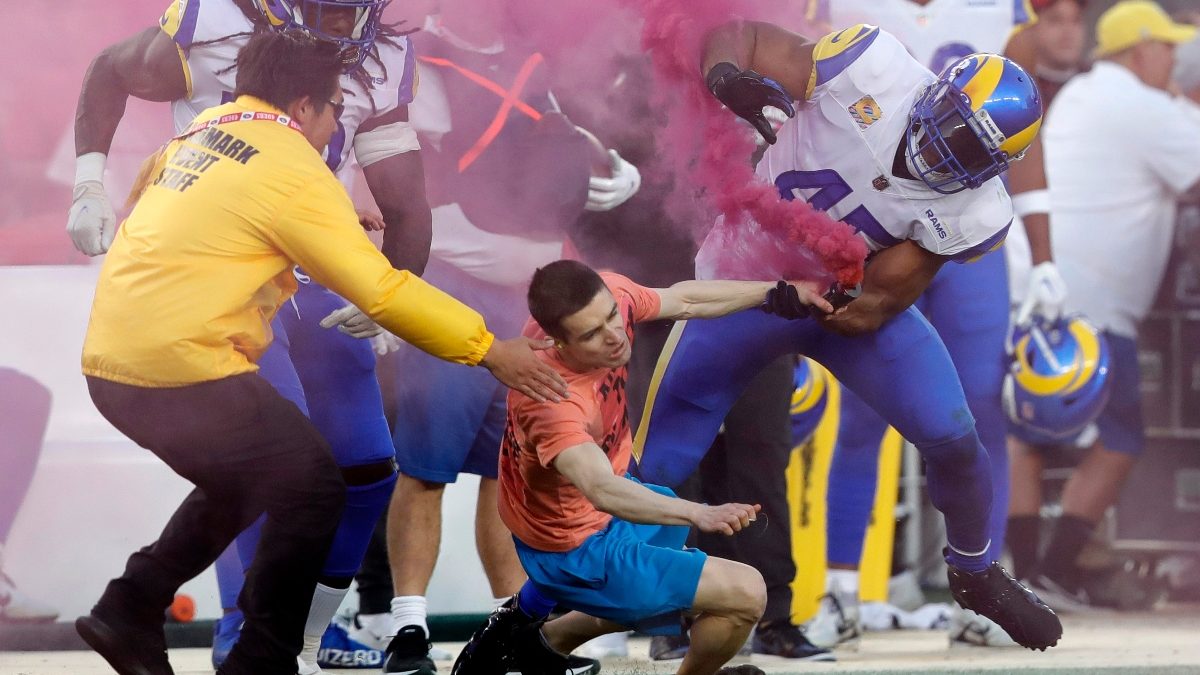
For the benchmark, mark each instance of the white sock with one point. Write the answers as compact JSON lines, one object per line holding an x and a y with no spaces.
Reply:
{"x":496,"y":602}
{"x":325,"y":603}
{"x":376,"y":624}
{"x":409,"y":610}
{"x":845,"y":580}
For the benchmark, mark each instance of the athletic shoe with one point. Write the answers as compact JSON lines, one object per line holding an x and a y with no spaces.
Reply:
{"x":975,"y":630}
{"x":131,"y":646}
{"x":783,"y":638}
{"x":996,"y":595}
{"x":340,"y":649}
{"x":225,"y":635}
{"x":16,"y":607}
{"x":484,"y":653}
{"x":408,"y":653}
{"x":904,"y":592}
{"x":744,"y":669}
{"x":613,"y":645}
{"x":528,"y":653}
{"x":669,"y":647}
{"x":838,"y":620}
{"x":1059,"y":597}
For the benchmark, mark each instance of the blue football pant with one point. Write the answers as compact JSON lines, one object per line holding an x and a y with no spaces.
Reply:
{"x":968,"y":306}
{"x":330,"y":376}
{"x":902,"y":370}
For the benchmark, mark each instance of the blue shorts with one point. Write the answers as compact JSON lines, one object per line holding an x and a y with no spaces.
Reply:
{"x":1119,"y":423}
{"x":449,"y":418}
{"x":639,"y":576}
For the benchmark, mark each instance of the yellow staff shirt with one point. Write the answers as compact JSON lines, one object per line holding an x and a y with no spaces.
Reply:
{"x":198,"y":270}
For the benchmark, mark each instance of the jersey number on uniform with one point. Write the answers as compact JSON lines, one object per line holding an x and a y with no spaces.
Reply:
{"x":830,"y":189}
{"x":337,"y":143}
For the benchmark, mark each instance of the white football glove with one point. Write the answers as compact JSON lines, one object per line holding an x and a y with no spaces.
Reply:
{"x":385,"y":343}
{"x":605,"y":194}
{"x":1046,"y":296}
{"x":92,"y":224}
{"x":353,"y":322}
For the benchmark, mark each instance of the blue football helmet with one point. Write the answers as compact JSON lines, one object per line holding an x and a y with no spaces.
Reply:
{"x":980,"y":114}
{"x":1057,"y":380}
{"x":307,"y":15}
{"x":809,"y":398}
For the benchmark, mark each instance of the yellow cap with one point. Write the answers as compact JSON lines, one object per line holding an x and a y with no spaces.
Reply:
{"x":1129,"y":22}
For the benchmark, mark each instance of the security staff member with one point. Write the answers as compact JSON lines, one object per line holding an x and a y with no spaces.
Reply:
{"x":181,"y":314}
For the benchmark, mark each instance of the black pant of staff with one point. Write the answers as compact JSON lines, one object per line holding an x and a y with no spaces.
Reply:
{"x":248,"y":451}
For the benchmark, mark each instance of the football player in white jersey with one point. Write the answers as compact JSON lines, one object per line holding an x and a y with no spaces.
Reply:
{"x":967,"y":305}
{"x":911,"y":161}
{"x":190,"y":59}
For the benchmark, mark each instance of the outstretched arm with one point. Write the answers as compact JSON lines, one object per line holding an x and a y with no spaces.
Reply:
{"x":148,"y":66}
{"x":711,"y":299}
{"x":894,"y":279}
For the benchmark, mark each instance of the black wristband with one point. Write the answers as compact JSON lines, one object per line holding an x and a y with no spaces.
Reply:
{"x":718,"y":73}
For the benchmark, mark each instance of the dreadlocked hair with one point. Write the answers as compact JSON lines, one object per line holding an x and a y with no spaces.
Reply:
{"x":388,"y":33}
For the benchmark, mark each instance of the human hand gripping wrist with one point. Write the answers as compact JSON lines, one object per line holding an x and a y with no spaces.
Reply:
{"x":515,"y":364}
{"x":796,"y":300}
{"x":746,"y":93}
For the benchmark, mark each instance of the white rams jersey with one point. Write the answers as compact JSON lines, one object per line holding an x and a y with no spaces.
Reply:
{"x":838,"y":152}
{"x":939,"y":32}
{"x":209,"y":34}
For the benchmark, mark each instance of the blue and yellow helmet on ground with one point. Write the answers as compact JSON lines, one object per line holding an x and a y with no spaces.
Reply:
{"x":1057,"y":381}
{"x":809,"y":398}
{"x":308,"y":15}
{"x":981,"y":113}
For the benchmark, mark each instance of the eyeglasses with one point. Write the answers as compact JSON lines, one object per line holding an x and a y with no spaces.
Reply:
{"x":338,"y":109}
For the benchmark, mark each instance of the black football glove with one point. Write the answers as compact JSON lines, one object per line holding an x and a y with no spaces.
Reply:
{"x":746,"y":93}
{"x":784,"y":301}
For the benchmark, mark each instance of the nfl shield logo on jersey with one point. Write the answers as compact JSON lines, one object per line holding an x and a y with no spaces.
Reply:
{"x":866,"y":112}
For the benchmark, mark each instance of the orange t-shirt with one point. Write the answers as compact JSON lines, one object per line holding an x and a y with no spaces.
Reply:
{"x":537,"y":503}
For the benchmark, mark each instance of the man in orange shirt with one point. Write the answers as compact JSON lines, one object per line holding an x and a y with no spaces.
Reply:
{"x":592,"y":539}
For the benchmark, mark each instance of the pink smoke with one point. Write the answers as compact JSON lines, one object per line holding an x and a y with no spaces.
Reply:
{"x":765,"y":236}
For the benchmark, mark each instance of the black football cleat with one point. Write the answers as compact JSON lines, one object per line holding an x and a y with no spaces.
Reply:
{"x":996,"y":595}
{"x":408,"y":653}
{"x":783,"y":638}
{"x":530,"y":654}
{"x":485,"y":652}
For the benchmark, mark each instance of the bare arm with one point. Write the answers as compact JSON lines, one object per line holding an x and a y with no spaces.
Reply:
{"x":588,"y":469}
{"x":764,"y":48}
{"x":894,"y":279}
{"x":146,"y":66}
{"x":711,"y":299}
{"x":1029,"y":174}
{"x":398,"y":185}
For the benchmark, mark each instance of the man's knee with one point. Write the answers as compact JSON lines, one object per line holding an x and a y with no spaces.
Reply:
{"x":732,"y":590}
{"x":963,"y":449}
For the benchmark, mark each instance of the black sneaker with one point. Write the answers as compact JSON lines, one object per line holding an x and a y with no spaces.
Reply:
{"x":744,"y":669}
{"x":408,"y":653}
{"x":782,"y":638}
{"x":996,"y":595}
{"x":484,"y":653}
{"x":530,"y":654}
{"x":669,"y":647}
{"x":130,"y":647}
